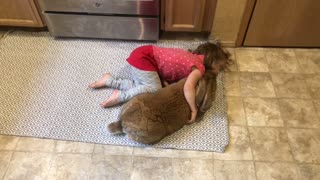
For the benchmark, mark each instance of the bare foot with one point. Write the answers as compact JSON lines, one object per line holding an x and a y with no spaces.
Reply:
{"x":100,"y":83}
{"x":112,"y":100}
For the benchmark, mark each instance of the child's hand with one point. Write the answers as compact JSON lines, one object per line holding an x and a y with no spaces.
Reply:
{"x":193,"y":117}
{"x":189,"y":90}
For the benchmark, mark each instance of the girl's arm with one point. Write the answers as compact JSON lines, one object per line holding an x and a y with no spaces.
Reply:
{"x":189,"y":90}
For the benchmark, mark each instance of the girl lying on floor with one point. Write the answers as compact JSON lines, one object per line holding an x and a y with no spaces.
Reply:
{"x":153,"y":66}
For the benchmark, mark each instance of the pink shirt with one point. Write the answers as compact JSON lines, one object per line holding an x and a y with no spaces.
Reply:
{"x":172,"y":64}
{"x":175,"y":64}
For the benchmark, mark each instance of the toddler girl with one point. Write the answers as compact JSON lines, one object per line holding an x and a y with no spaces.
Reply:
{"x":153,"y":66}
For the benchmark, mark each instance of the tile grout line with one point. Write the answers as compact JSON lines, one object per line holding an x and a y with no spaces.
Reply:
{"x":274,"y":97}
{"x":313,"y":99}
{"x":246,"y":122}
{"x":250,"y":140}
{"x":9,"y":164}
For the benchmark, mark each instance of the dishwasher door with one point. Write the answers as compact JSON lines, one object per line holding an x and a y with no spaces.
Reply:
{"x":121,"y":7}
{"x":95,"y":26}
{"x":113,"y":19}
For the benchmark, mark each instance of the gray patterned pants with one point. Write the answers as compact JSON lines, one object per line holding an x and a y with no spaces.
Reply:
{"x":142,"y":82}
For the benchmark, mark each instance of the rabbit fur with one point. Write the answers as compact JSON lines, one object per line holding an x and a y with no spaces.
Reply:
{"x":149,"y":117}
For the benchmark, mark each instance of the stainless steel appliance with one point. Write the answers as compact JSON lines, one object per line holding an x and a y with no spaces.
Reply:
{"x":114,"y":19}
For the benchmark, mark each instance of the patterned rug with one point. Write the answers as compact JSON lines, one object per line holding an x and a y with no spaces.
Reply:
{"x":43,"y":92}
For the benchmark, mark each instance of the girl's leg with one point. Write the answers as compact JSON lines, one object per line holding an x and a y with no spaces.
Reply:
{"x":112,"y":100}
{"x":145,"y":81}
{"x":101,"y":83}
{"x":119,"y":83}
{"x":114,"y":82}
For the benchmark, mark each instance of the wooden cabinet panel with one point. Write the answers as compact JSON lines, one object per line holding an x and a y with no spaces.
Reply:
{"x":19,"y":13}
{"x":209,"y":12}
{"x":187,"y":15}
{"x":285,"y":23}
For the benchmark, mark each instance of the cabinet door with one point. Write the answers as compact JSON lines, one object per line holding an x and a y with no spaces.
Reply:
{"x":284,"y":23}
{"x":19,"y":13}
{"x":184,"y":15}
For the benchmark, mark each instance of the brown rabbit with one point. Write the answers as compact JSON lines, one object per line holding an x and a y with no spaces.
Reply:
{"x":149,"y":117}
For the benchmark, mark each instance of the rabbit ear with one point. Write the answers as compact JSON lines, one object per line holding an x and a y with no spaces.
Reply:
{"x":209,"y":95}
{"x":200,"y":91}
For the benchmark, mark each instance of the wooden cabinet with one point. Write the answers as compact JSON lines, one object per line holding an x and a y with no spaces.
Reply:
{"x":19,"y":13}
{"x":293,"y":23}
{"x":187,"y":15}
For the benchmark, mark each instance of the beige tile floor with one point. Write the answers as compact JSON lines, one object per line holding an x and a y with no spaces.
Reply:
{"x":273,"y":98}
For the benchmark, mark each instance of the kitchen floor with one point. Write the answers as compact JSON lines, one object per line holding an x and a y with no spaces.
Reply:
{"x":273,"y":98}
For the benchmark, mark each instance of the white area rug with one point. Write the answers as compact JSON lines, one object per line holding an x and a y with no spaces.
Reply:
{"x":44,"y":92}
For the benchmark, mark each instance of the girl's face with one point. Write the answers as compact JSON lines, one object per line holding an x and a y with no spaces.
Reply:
{"x":217,"y":67}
